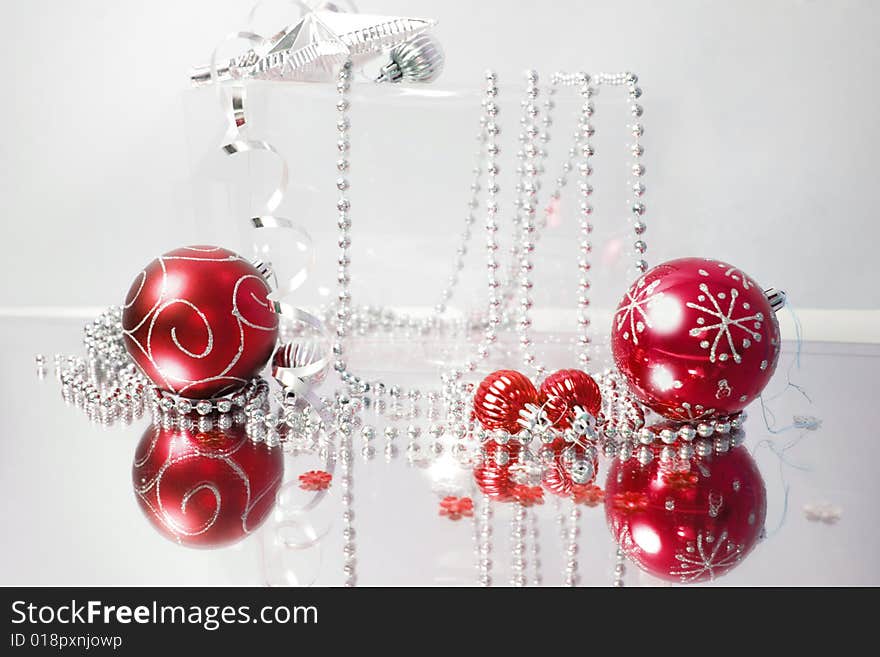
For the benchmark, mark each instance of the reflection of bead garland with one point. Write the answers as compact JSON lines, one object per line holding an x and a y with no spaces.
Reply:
{"x":619,"y":568}
{"x":348,"y":549}
{"x":517,"y":545}
{"x":537,"y":580}
{"x":571,"y":548}
{"x":484,"y":541}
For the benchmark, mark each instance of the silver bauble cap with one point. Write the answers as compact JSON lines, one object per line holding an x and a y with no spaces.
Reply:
{"x":776,"y":298}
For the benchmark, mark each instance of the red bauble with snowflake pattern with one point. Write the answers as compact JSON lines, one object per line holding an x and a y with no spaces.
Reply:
{"x":695,"y":338}
{"x":563,"y":390}
{"x":197,"y":322}
{"x":205,"y":489}
{"x":686,"y":521}
{"x":500,"y":397}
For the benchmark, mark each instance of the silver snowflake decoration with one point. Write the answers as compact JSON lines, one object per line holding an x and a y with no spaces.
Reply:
{"x":696,"y":412}
{"x":705,"y":556}
{"x":632,"y":318}
{"x":737,"y":275}
{"x":823,"y":512}
{"x":727,"y":320}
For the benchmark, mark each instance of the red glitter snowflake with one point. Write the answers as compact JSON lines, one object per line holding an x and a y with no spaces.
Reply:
{"x":588,"y":494}
{"x":455,"y":508}
{"x":528,"y":495}
{"x":630,"y":501}
{"x":315,"y":480}
{"x":681,"y":480}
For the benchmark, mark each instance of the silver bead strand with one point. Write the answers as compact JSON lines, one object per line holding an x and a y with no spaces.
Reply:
{"x":493,"y":306}
{"x":343,"y":206}
{"x":583,"y":149}
{"x":585,"y":191}
{"x":490,"y":110}
{"x":527,"y":202}
{"x":637,"y":206}
{"x":493,"y":285}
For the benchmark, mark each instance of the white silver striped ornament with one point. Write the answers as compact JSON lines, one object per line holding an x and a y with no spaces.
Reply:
{"x":420,"y":59}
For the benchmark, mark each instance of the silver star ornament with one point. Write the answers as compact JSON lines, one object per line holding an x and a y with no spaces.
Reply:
{"x":313,"y":48}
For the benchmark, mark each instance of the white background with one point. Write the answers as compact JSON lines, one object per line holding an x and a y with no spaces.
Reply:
{"x":762,"y":139}
{"x":761,"y":150}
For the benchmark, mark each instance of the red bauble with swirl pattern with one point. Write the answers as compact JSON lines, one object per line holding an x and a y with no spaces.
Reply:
{"x":197,"y":322}
{"x":500,"y":397}
{"x":563,"y":390}
{"x":688,"y":521}
{"x":695,"y":338}
{"x":205,"y":489}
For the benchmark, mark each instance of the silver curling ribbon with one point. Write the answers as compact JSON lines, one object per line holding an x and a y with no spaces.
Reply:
{"x":421,"y":59}
{"x":776,"y":298}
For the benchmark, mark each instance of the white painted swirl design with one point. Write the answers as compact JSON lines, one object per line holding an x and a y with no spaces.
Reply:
{"x":210,"y":333}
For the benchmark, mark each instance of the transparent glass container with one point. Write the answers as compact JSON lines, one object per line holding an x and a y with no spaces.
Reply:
{"x":413,"y":153}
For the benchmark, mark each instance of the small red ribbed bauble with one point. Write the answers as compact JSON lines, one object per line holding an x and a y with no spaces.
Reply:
{"x":500,"y":397}
{"x":695,"y":338}
{"x":205,"y":490}
{"x":563,"y":390}
{"x":687,"y":521}
{"x":197,"y":322}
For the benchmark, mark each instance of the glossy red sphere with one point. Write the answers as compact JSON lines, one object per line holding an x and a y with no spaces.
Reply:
{"x":500,"y":397}
{"x":695,"y":338}
{"x":563,"y":390}
{"x":197,"y":322}
{"x":688,"y":521}
{"x":205,"y":490}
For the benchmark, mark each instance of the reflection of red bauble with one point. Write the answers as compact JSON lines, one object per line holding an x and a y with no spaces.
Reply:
{"x":492,"y":475}
{"x":557,"y":476}
{"x":695,"y":338}
{"x":563,"y":390}
{"x":206,"y":489}
{"x":686,"y":521}
{"x":500,"y":397}
{"x":197,"y":322}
